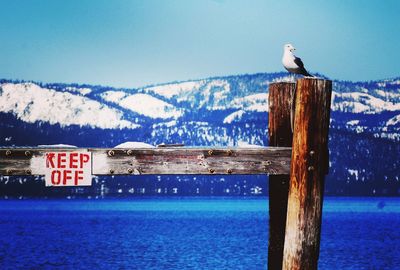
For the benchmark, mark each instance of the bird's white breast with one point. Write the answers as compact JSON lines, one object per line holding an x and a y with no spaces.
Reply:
{"x":288,"y":61}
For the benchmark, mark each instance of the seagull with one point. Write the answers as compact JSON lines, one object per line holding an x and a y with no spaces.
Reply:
{"x":292,"y":63}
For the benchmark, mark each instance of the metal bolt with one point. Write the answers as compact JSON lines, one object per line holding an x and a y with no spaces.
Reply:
{"x":229,"y":152}
{"x":9,"y":171}
{"x":130,"y":170}
{"x":8,"y":152}
{"x":312,"y":152}
{"x":311,"y":168}
{"x":129,"y":152}
{"x":27,"y":153}
{"x":268,"y":162}
{"x":111,"y":153}
{"x":210,"y":152}
{"x":211,"y":170}
{"x":28,"y":172}
{"x":111,"y":171}
{"x":229,"y":171}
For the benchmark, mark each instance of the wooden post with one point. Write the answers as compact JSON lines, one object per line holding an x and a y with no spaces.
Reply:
{"x":308,"y":168}
{"x":280,"y":134}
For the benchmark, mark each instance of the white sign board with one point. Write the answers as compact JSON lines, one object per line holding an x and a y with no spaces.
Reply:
{"x":68,"y":168}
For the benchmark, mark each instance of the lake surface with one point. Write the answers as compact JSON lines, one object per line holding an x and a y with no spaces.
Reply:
{"x":173,"y":233}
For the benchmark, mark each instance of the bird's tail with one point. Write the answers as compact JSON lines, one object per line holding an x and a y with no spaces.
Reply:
{"x":304,"y":72}
{"x":309,"y":75}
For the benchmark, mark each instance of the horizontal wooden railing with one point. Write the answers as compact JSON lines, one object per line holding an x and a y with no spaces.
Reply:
{"x":174,"y":160}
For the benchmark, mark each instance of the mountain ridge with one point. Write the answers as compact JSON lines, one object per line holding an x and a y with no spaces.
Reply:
{"x":238,"y":95}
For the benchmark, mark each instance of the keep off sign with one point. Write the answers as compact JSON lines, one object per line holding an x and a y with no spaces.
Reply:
{"x":68,"y":168}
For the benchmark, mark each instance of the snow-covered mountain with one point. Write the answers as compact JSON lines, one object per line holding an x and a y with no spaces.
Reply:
{"x":31,"y":103}
{"x":143,"y":104}
{"x":372,"y":107}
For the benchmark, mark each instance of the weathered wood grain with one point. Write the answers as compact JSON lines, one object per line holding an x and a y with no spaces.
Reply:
{"x":280,"y":134}
{"x":308,"y":168}
{"x":174,"y":160}
{"x":193,"y":161}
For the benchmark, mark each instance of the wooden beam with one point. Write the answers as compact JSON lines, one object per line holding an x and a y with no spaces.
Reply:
{"x":165,"y":160}
{"x":280,"y":134}
{"x":308,"y":168}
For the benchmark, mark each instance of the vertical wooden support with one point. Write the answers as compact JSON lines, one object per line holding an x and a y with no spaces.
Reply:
{"x":308,"y":168}
{"x":280,"y":134}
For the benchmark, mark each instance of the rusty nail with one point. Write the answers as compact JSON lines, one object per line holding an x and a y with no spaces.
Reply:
{"x":311,"y":168}
{"x":111,"y":153}
{"x":129,"y":152}
{"x":229,"y":152}
{"x":210,"y":152}
{"x":8,"y":152}
{"x":28,"y":172}
{"x":211,"y":170}
{"x":27,"y":153}
{"x":229,"y":171}
{"x":111,"y":171}
{"x":130,"y":170}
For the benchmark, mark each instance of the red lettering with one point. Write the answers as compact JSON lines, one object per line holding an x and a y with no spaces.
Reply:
{"x":66,"y":176}
{"x":78,"y":176}
{"x":66,"y":168}
{"x":61,"y":160}
{"x":73,"y":160}
{"x":50,"y":160}
{"x":83,"y":159}
{"x":55,"y":177}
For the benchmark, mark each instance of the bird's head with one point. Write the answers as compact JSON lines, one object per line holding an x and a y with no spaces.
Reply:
{"x":289,"y":47}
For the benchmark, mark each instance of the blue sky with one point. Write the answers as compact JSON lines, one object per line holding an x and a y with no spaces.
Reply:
{"x":136,"y":43}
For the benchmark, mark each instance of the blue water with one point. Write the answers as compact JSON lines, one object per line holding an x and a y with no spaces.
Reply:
{"x":357,"y":233}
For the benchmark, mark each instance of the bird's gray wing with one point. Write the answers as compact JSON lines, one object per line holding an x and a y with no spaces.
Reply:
{"x":298,"y":62}
{"x":302,"y":70}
